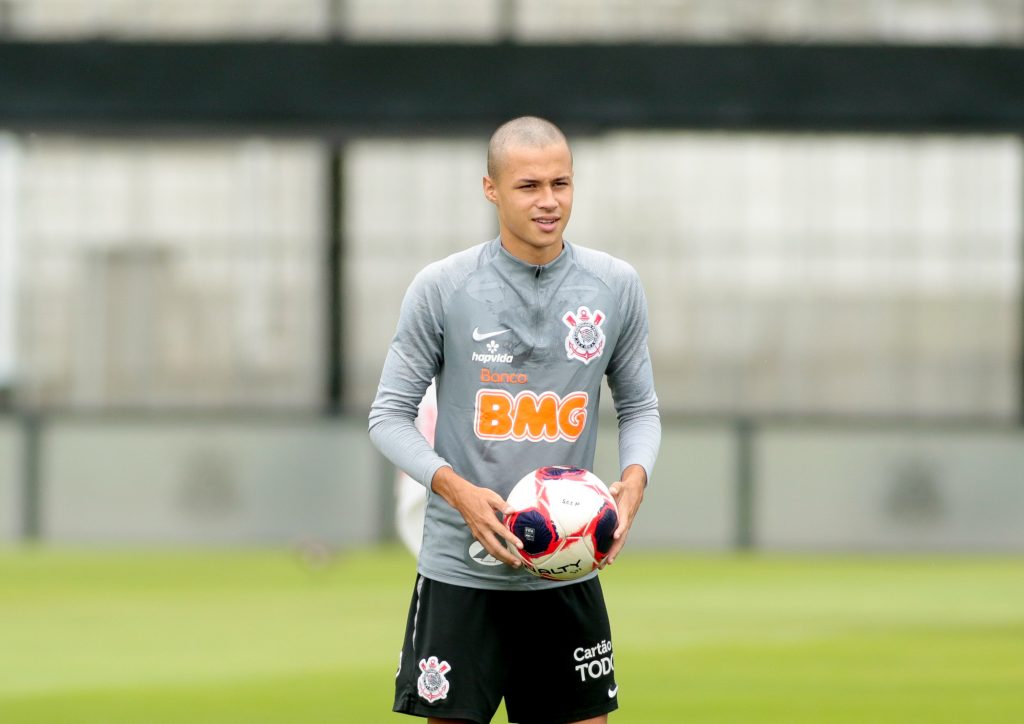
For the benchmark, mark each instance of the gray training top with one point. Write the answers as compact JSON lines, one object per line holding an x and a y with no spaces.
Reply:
{"x":518,"y":352}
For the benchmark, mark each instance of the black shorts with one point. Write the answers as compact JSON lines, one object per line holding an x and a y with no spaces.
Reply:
{"x":547,"y":652}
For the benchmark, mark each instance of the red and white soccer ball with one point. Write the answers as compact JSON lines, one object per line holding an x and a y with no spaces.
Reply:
{"x":565,"y":518}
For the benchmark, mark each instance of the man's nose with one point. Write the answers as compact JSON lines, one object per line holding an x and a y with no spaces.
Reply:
{"x":547,"y":198}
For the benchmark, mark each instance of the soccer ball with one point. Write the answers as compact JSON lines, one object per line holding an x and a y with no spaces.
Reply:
{"x":565,"y":518}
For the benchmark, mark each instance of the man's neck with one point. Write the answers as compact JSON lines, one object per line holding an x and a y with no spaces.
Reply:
{"x":532,"y":255}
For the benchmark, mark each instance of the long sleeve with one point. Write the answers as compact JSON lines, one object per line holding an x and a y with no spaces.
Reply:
{"x":631,"y":381}
{"x":413,"y":359}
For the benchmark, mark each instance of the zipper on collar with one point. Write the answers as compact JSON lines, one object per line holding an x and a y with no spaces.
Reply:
{"x":536,"y":272}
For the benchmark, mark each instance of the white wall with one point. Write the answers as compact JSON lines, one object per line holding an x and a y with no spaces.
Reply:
{"x":10,"y":477}
{"x":201,"y":482}
{"x":164,"y":273}
{"x":8,"y":255}
{"x":148,"y":481}
{"x":958,"y":490}
{"x":689,"y":500}
{"x":895,"y":21}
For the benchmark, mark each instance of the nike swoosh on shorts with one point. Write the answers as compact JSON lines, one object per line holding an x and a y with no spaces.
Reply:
{"x":478,"y":336}
{"x":613,"y":691}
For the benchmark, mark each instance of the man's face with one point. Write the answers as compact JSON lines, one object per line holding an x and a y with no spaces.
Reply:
{"x":532,"y":191}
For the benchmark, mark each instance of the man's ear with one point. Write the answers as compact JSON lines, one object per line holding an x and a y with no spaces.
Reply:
{"x":490,"y":193}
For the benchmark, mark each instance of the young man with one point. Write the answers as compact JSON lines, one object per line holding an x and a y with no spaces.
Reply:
{"x":519,"y":332}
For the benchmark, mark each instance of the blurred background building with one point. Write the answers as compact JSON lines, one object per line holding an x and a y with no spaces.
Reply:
{"x":197,"y":288}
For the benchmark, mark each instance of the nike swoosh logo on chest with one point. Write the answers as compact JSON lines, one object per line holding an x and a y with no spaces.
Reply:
{"x":479,"y":336}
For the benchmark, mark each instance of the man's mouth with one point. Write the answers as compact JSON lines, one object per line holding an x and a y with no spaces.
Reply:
{"x":547,"y":223}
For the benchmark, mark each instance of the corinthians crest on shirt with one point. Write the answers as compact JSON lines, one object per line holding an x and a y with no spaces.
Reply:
{"x":585,"y":340}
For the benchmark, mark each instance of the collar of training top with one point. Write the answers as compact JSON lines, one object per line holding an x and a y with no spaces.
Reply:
{"x":517,"y":264}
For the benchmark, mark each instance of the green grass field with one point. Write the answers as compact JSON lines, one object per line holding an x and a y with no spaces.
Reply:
{"x":249,"y":637}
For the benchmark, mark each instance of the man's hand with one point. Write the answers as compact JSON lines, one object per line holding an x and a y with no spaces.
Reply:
{"x":628,"y":494}
{"x":480,"y":508}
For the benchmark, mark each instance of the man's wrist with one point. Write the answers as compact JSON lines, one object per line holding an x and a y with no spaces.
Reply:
{"x":635,"y":474}
{"x":446,"y":482}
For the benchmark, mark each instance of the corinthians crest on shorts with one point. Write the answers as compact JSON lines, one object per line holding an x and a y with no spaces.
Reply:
{"x":432,"y":683}
{"x":585,"y":340}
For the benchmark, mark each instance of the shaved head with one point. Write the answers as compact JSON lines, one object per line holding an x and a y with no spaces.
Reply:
{"x":529,"y":181}
{"x":529,"y":131}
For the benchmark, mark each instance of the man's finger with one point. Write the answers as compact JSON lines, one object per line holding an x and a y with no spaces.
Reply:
{"x":613,"y":552}
{"x":621,"y":528}
{"x":501,"y":507}
{"x":508,"y":535}
{"x":492,"y":535}
{"x":499,"y":550}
